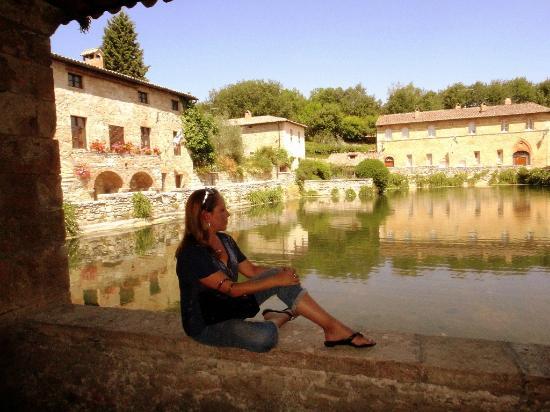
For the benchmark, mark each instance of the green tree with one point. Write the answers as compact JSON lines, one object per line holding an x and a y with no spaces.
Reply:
{"x":520,"y":90}
{"x":198,"y":128}
{"x":403,"y":99}
{"x":260,"y":97}
{"x":228,"y":140}
{"x":121,"y":49}
{"x":376,"y":170}
{"x":543,"y":93}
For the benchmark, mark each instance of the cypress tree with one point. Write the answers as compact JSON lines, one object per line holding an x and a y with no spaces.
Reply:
{"x":121,"y":50}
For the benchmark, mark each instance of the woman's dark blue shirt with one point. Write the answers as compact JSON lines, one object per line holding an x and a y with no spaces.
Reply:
{"x":195,"y":262}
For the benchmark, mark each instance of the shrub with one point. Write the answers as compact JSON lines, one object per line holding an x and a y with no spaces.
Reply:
{"x":142,"y":205}
{"x":325,"y":149}
{"x":144,"y":241}
{"x":260,"y":197}
{"x":523,"y":175}
{"x":397,"y":181}
{"x":539,"y":177}
{"x":346,"y":172}
{"x":457,"y":180}
{"x":335,"y":194}
{"x":350,"y":194}
{"x":507,"y":176}
{"x":71,"y":224}
{"x":375,"y":169}
{"x":263,"y":160}
{"x":366,"y":192}
{"x":312,"y":170}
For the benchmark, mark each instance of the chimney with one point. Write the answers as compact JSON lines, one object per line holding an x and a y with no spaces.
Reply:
{"x":482,"y":107}
{"x":247,"y":114}
{"x":458,"y":106}
{"x":93,"y":57}
{"x":417,"y":113}
{"x":507,"y":101}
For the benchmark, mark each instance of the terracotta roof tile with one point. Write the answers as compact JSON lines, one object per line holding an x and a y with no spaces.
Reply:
{"x":462,"y":113}
{"x":248,"y":121}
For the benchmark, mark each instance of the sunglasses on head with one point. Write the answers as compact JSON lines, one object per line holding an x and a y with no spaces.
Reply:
{"x":207,"y":192}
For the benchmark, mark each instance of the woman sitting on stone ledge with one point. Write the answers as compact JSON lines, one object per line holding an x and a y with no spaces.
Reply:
{"x":214,"y":305}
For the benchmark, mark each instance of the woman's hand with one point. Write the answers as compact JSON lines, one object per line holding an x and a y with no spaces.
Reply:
{"x":287,"y":277}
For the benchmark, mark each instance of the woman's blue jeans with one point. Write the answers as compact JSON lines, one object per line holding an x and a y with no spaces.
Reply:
{"x":252,"y":335}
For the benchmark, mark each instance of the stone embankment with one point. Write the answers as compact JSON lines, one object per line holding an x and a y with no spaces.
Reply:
{"x":90,"y":358}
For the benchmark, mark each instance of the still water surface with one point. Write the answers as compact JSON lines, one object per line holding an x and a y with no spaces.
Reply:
{"x":457,"y":262}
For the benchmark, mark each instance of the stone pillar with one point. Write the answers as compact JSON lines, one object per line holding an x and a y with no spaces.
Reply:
{"x":33,"y":261}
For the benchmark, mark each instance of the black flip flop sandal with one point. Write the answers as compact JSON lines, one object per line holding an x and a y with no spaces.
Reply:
{"x":286,"y":311}
{"x":348,"y":342}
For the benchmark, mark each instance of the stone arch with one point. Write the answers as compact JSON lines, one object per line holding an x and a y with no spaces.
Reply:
{"x":388,"y":161}
{"x":107,"y":182}
{"x":140,"y":181}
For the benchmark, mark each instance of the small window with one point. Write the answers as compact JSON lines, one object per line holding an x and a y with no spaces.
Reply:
{"x":477,"y":158}
{"x":405,"y":133}
{"x":177,"y":144}
{"x":409,"y":160}
{"x":472,"y":128}
{"x":178,"y":181}
{"x":429,"y":159}
{"x":116,"y":135}
{"x":500,"y":156}
{"x":388,"y":161}
{"x":78,"y":132}
{"x":143,"y":98}
{"x":388,"y":134}
{"x":504,"y":126}
{"x":75,"y":80}
{"x":175,"y":105}
{"x":431,"y":131}
{"x":145,"y":137}
{"x":529,"y":124}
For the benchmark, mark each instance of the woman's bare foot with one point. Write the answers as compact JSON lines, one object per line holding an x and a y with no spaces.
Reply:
{"x":344,"y":333}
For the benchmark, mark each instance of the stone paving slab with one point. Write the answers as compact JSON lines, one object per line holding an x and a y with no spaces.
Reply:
{"x":500,"y":368}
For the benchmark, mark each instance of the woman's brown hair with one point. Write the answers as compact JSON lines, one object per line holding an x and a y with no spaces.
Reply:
{"x":202,"y":199}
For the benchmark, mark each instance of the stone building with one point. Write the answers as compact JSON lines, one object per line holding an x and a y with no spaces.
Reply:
{"x":503,"y":135}
{"x":115,"y":132}
{"x":271,"y":131}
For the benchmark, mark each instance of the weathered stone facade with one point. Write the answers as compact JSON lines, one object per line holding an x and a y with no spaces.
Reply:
{"x":326,"y":187}
{"x":466,"y":137}
{"x":89,"y":105}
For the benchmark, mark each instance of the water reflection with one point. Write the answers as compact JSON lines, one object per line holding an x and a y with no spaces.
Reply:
{"x":462,"y":262}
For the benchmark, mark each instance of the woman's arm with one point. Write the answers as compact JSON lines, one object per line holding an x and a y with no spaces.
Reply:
{"x":221,"y":282}
{"x":249,"y":269}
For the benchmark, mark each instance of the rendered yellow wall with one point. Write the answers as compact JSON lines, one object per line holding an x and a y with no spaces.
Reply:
{"x":275,"y":135}
{"x":452,"y":137}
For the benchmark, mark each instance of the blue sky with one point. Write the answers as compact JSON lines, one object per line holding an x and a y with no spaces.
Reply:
{"x":196,"y":46}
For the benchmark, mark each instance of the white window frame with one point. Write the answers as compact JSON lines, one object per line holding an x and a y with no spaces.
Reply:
{"x":405,"y":133}
{"x":529,"y":124}
{"x":504,"y":126}
{"x":429,"y":159}
{"x":472,"y":128}
{"x":388,"y":134}
{"x":409,"y":160}
{"x":477,"y":157}
{"x":431,"y":131}
{"x":500,"y":156}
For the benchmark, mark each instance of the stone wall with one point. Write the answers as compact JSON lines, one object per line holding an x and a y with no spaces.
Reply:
{"x":118,"y":206}
{"x":106,"y":100}
{"x":33,"y":262}
{"x":325,"y":187}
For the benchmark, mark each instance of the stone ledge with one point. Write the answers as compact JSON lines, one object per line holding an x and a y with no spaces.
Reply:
{"x":521,"y":371}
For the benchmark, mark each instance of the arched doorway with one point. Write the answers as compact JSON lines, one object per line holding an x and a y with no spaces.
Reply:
{"x":522,"y":153}
{"x":521,"y":158}
{"x":388,"y":161}
{"x":107,"y":182}
{"x":140,"y":181}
